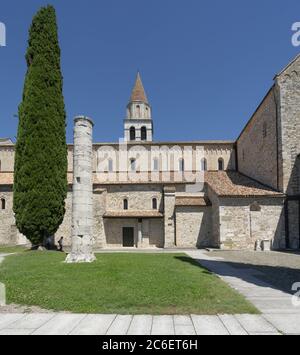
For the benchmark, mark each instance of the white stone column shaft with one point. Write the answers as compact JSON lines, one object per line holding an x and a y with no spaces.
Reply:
{"x":82,"y":207}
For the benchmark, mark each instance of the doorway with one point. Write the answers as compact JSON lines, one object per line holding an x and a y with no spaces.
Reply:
{"x":128,"y":237}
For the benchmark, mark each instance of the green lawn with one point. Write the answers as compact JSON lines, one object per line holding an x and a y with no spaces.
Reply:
{"x":9,"y":250}
{"x":119,"y":283}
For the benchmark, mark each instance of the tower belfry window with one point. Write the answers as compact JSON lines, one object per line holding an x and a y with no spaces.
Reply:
{"x":221,"y":164}
{"x":132,"y":134}
{"x":143,"y":133}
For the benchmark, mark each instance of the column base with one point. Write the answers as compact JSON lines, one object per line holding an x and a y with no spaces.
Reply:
{"x":73,"y":258}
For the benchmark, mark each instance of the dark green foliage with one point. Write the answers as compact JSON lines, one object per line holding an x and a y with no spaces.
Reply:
{"x":40,"y":184}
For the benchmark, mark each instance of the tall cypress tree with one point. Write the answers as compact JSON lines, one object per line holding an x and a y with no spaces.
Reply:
{"x":40,"y":183}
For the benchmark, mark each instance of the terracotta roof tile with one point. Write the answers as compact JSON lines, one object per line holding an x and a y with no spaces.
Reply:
{"x":231,"y":183}
{"x":223,"y":183}
{"x":138,"y":92}
{"x":192,"y":201}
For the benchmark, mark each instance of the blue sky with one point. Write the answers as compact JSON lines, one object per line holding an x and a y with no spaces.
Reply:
{"x":206,"y":65}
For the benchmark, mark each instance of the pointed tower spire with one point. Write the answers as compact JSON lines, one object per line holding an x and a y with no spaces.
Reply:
{"x":138,"y":92}
{"x":138,"y":125}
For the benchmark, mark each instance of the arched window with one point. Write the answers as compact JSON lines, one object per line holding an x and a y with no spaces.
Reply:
{"x":125,"y":204}
{"x":132,"y":134}
{"x":138,"y":110}
{"x":154,"y":203}
{"x":110,"y":165}
{"x":155,"y":164}
{"x":132,"y":165}
{"x":203,"y":164}
{"x":3,"y":204}
{"x":143,"y":133}
{"x":181,"y":164}
{"x":221,"y":164}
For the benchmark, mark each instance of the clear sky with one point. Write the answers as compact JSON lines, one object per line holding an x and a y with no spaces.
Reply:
{"x":205,"y":64}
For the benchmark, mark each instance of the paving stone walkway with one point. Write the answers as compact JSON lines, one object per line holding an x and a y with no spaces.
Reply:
{"x":275,"y":305}
{"x":279,"y":316}
{"x":83,"y":324}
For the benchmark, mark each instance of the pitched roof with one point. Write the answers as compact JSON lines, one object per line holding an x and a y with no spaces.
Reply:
{"x":5,"y":141}
{"x":138,"y":92}
{"x":235,"y":184}
{"x":288,"y":65}
{"x":223,"y":183}
{"x":192,"y":201}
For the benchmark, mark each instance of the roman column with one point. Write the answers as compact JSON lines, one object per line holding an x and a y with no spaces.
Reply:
{"x":82,"y":204}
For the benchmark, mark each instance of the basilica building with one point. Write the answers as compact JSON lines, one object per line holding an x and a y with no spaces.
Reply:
{"x":241,"y":194}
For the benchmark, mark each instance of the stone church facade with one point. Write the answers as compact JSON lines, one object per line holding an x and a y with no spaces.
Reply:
{"x":221,"y":194}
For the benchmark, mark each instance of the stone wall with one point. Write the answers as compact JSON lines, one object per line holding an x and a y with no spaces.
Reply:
{"x":215,"y":216}
{"x":240,"y":227}
{"x":9,"y":235}
{"x":288,"y":92}
{"x":193,"y":226}
{"x":156,"y":233}
{"x":114,"y":231}
{"x":139,"y":197}
{"x":257,"y":145}
{"x":7,"y":158}
{"x":293,"y":224}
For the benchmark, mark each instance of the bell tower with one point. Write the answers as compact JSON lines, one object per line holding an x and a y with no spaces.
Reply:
{"x":138,"y":126}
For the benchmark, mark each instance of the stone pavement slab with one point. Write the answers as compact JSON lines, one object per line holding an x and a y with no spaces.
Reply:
{"x":287,"y":324}
{"x":97,"y":324}
{"x":15,"y":332}
{"x":163,"y":325}
{"x":255,"y":324}
{"x":31,"y":321}
{"x":184,"y":325}
{"x":232,"y":325}
{"x":60,"y":324}
{"x":141,"y":325}
{"x":7,"y":319}
{"x":94,"y":324}
{"x":209,"y":325}
{"x":120,"y":325}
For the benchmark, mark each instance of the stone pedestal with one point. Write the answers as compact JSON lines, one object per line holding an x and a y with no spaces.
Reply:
{"x":266,"y":245}
{"x":82,"y":206}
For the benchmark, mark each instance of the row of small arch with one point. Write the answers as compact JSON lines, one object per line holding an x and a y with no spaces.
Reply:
{"x":156,"y":164}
